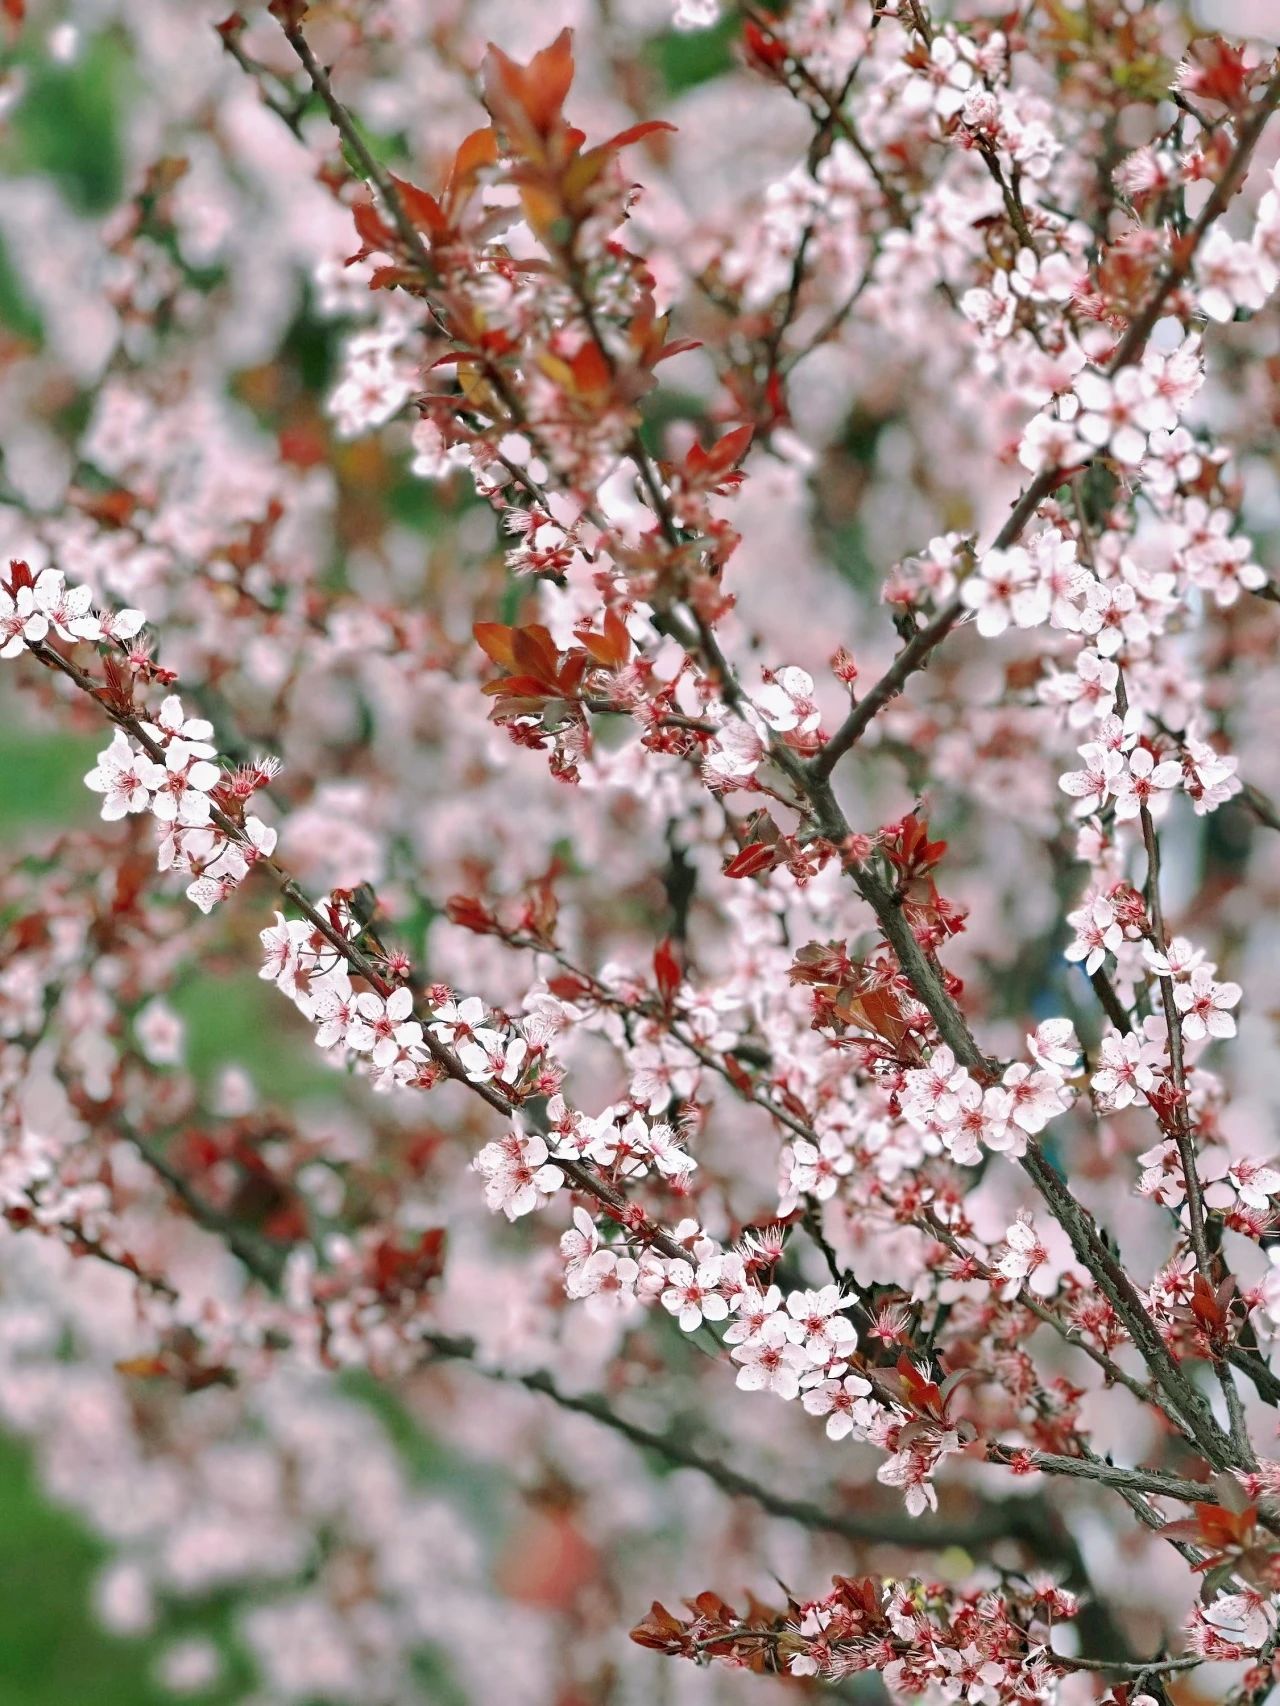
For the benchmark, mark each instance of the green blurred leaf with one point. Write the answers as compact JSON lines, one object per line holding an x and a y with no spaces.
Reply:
{"x":42,"y":778}
{"x":52,"y":1653}
{"x":685,"y":58}
{"x":67,"y":125}
{"x":17,"y":312}
{"x":245,"y":1022}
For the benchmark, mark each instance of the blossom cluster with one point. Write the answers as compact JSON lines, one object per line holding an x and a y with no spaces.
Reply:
{"x":680,"y":557}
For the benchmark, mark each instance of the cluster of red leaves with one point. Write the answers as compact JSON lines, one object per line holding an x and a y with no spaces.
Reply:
{"x":555,"y":174}
{"x":764,"y":847}
{"x":178,"y":1361}
{"x":866,"y":996}
{"x":704,"y":473}
{"x":561,"y":183}
{"x":539,"y":677}
{"x":753,"y":1640}
{"x":1218,"y":71}
{"x":236,"y":1170}
{"x":911,"y":858}
{"x":532,"y":915}
{"x":1228,"y":1535}
{"x":394,"y":1271}
{"x":850,"y":994}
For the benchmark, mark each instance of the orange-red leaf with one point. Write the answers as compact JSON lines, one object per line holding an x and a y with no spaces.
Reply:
{"x":495,"y":640}
{"x":529,"y":98}
{"x":722,"y":456}
{"x":535,"y":653}
{"x":659,"y":1630}
{"x":612,"y":648}
{"x":369,"y":225}
{"x":476,"y":151}
{"x":877,"y":1010}
{"x":572,"y":672}
{"x":590,"y":369}
{"x":422,"y":207}
{"x":635,"y":133}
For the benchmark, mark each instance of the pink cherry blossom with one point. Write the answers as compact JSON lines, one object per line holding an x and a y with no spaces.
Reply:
{"x":841,"y":1401}
{"x":121,"y":777}
{"x":692,"y":1296}
{"x":1232,"y":275}
{"x":519,"y":1178}
{"x":1104,"y":769}
{"x":1206,"y":1006}
{"x":605,"y":494}
{"x":1023,"y":1252}
{"x":181,"y":785}
{"x":1124,"y":1073}
{"x":1005,"y":589}
{"x":786,"y":701}
{"x":1142,"y":783}
{"x":22,"y":621}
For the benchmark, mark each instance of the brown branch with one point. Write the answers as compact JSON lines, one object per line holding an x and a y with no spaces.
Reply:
{"x":994,"y":1521}
{"x":1153,"y":1482}
{"x":1134,"y":341}
{"x":1263,"y":808}
{"x":915,"y":654}
{"x":1110,"y":1002}
{"x":349,"y":131}
{"x":1184,"y":1137}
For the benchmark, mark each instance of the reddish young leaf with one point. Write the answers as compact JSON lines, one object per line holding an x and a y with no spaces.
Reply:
{"x":752,"y":860}
{"x":471,"y":914}
{"x":423,"y":208}
{"x":370,"y":227}
{"x":495,"y":640}
{"x":660,"y":1631}
{"x":636,"y":133}
{"x":666,"y":970}
{"x":722,"y":455}
{"x":527,"y":100}
{"x":612,"y":648}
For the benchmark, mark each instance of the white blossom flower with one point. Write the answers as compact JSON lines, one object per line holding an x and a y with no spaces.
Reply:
{"x":1254,"y":1182}
{"x":22,"y":622}
{"x":691,"y":1294}
{"x":1118,"y":413}
{"x":786,"y":701}
{"x":844,"y":1403}
{"x":1023,"y":1252}
{"x":519,"y":1176}
{"x":1092,"y":786}
{"x":482,"y":1061}
{"x":1231,"y":274}
{"x":65,"y":606}
{"x":282,"y":945}
{"x":336,"y":1017}
{"x":181,"y":785}
{"x":1206,"y":1006}
{"x":1006,"y":588}
{"x":767,"y":1365}
{"x":389,"y":1023}
{"x":172,"y":723}
{"x":1142,"y":781}
{"x":1124,"y":1073}
{"x":120,"y":776}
